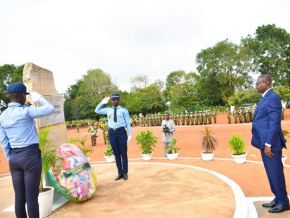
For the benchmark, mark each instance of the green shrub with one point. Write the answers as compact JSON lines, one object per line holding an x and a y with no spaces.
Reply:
{"x":48,"y":157}
{"x":237,"y":144}
{"x":172,"y":149}
{"x":109,"y":151}
{"x":147,"y":141}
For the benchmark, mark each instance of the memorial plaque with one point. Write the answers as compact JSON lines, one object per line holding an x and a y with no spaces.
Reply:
{"x":57,"y":116}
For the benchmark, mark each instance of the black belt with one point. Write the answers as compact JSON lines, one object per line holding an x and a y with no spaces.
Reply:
{"x":115,"y":129}
{"x":29,"y":146}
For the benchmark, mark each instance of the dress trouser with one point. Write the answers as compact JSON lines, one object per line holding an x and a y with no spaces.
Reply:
{"x":275,"y":173}
{"x":118,"y":139}
{"x":25,"y":167}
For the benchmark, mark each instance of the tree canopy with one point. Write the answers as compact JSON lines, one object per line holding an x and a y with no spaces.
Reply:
{"x":269,"y":50}
{"x":9,"y":73}
{"x":224,"y":69}
{"x":81,"y":98}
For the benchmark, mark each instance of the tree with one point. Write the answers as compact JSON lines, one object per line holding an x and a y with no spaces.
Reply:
{"x":140,"y":81}
{"x":74,"y":90}
{"x":174,"y":78}
{"x":160,"y":84}
{"x":183,"y":96}
{"x":283,"y":92}
{"x":223,"y":69}
{"x":82,"y":98}
{"x":269,"y":50}
{"x":8,"y":74}
{"x":96,"y":82}
{"x":146,"y":100}
{"x":249,"y":96}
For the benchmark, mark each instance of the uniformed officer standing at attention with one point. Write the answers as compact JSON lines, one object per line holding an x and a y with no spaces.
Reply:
{"x":20,"y":143}
{"x":118,"y":119}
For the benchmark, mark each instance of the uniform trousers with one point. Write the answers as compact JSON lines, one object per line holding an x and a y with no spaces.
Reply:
{"x":275,"y":174}
{"x":25,"y":167}
{"x":118,"y":140}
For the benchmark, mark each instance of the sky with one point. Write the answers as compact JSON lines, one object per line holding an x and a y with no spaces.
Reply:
{"x":126,"y":38}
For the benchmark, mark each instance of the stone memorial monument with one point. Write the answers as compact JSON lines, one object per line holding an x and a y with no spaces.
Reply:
{"x":41,"y":80}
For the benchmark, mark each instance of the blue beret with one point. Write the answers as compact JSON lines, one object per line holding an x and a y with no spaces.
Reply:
{"x":115,"y":96}
{"x":17,"y":88}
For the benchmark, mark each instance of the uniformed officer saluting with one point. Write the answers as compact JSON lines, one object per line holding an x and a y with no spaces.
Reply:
{"x":118,"y":118}
{"x":20,"y":143}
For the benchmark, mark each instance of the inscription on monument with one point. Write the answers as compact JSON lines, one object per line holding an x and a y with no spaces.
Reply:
{"x":57,"y":116}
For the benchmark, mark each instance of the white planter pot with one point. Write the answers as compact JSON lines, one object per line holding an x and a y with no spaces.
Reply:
{"x":207,"y":156}
{"x":172,"y":156}
{"x":110,"y":159}
{"x":240,"y":158}
{"x":284,"y":157}
{"x":147,"y":156}
{"x":45,"y":200}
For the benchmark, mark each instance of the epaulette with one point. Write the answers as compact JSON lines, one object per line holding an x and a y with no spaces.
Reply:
{"x":124,"y":107}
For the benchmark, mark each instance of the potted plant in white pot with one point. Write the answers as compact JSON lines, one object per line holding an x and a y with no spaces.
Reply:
{"x":208,"y":144}
{"x":237,"y":145}
{"x":171,"y":150}
{"x":108,"y":154}
{"x":48,"y":158}
{"x":147,"y":142}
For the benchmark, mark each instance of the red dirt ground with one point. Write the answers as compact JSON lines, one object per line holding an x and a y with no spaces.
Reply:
{"x":251,"y":177}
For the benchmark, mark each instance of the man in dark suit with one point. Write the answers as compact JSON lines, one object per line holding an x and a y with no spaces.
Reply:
{"x":268,"y":137}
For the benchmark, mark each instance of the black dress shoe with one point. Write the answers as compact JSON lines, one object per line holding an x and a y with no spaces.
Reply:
{"x":271,"y":204}
{"x":125,"y":177}
{"x":279,"y":208}
{"x":120,"y":176}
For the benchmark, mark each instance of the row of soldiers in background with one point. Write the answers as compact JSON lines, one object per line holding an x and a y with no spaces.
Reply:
{"x":93,"y":128}
{"x":244,"y":115}
{"x":196,"y":118}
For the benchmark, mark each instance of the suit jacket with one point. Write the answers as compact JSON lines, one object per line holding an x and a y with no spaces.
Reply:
{"x":267,"y":123}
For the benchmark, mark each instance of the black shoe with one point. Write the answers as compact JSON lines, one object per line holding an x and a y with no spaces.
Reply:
{"x":120,"y":176}
{"x":271,"y":204}
{"x":279,"y":208}
{"x":125,"y":177}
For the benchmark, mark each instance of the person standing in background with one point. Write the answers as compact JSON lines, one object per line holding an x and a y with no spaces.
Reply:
{"x":93,"y":134}
{"x":167,"y":127}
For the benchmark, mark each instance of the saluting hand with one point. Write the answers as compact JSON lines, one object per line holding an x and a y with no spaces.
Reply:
{"x":105,"y":100}
{"x":34,"y":96}
{"x":268,"y":151}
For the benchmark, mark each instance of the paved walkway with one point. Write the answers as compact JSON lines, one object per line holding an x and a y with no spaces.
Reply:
{"x":186,"y":187}
{"x":165,"y":186}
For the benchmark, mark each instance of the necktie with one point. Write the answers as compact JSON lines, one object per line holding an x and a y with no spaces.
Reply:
{"x":115,"y":114}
